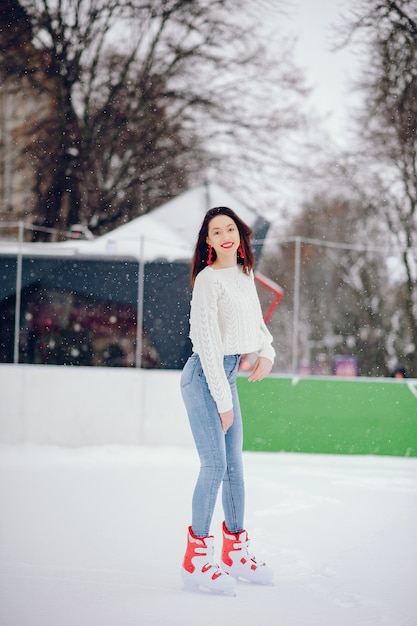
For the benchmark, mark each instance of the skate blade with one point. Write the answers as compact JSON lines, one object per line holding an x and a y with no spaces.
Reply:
{"x":209,"y":591}
{"x":197,"y":587}
{"x":259,"y":583}
{"x":241,"y":578}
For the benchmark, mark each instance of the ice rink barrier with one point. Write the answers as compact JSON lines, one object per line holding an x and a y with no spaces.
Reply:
{"x":83,"y":406}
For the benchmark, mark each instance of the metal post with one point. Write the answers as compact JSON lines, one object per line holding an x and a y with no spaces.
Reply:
{"x":297,"y":264}
{"x":18,"y":296}
{"x":139,"y":323}
{"x":207,"y":194}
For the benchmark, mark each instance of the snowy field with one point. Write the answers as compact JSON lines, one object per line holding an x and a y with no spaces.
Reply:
{"x":95,"y":536}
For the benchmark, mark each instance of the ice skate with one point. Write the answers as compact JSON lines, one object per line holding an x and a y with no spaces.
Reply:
{"x":200,"y":573}
{"x":239,"y":563}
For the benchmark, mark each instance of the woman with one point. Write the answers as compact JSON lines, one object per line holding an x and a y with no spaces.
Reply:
{"x":225,"y":322}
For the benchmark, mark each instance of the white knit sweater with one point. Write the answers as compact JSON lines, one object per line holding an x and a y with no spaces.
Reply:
{"x":225,"y":319}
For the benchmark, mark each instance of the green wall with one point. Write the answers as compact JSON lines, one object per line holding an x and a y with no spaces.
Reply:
{"x":330,"y":415}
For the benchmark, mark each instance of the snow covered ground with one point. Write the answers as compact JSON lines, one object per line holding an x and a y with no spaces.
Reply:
{"x":95,"y":536}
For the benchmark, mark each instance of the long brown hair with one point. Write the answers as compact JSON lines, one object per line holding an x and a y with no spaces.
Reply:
{"x":199,"y":261}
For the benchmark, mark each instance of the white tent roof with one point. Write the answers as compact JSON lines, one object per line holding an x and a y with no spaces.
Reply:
{"x":168,"y":232}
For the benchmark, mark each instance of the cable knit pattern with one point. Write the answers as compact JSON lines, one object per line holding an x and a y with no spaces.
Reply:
{"x":226,"y":318}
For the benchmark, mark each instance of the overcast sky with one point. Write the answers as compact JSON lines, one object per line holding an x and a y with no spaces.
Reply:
{"x":330,"y":73}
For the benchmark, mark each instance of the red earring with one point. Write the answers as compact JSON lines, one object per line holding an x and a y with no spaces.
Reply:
{"x":240,"y":251}
{"x":210,"y":255}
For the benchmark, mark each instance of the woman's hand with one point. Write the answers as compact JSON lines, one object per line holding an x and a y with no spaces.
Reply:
{"x":262,"y":368}
{"x":227,"y":420}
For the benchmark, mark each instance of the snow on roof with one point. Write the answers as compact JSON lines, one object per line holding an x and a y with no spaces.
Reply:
{"x":175,"y":224}
{"x":158,"y":241}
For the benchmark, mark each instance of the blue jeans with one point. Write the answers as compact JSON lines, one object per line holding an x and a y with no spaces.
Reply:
{"x":220,"y":454}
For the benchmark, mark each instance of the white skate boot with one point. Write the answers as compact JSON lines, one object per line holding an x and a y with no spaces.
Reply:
{"x":238,"y":562}
{"x":199,"y":572}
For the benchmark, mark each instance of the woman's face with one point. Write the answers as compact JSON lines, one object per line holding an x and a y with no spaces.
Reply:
{"x":223,"y":235}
